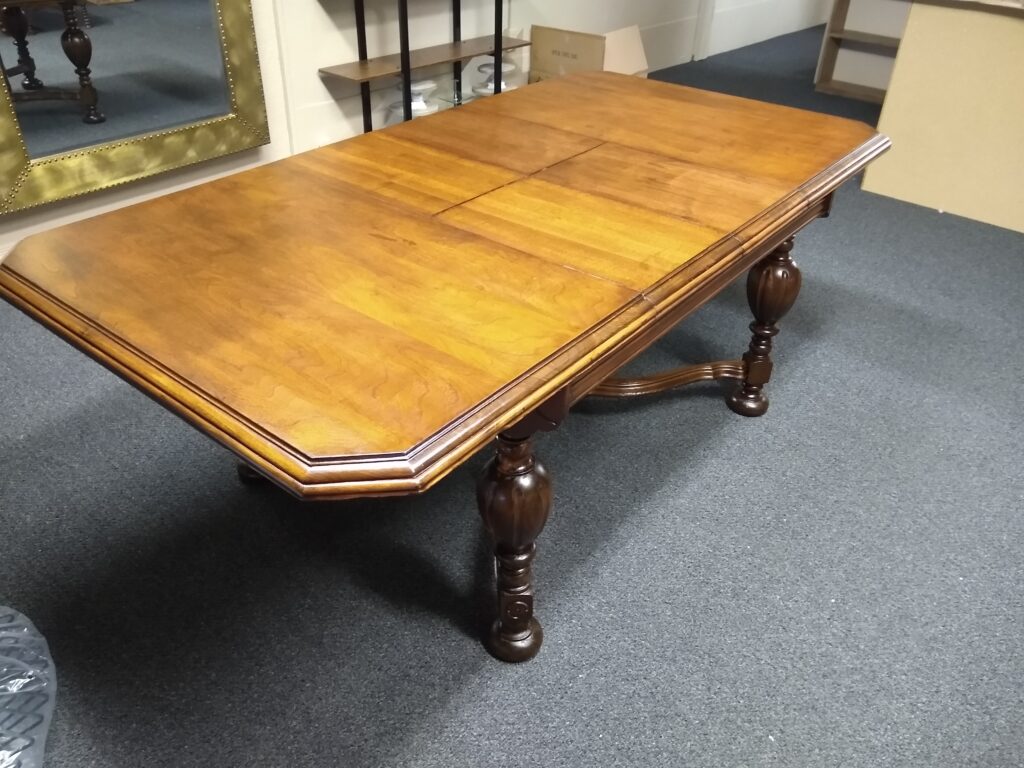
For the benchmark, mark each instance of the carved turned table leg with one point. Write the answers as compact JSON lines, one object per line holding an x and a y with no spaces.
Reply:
{"x":16,"y":22}
{"x":514,"y":495}
{"x":772,"y":287}
{"x":78,"y":48}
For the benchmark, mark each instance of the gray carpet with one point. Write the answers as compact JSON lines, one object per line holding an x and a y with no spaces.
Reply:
{"x":156,"y":64}
{"x":778,"y":71}
{"x":837,"y":583}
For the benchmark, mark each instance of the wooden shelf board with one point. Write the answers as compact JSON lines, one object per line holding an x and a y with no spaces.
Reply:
{"x":852,"y":90}
{"x":387,"y":66}
{"x":866,"y":38}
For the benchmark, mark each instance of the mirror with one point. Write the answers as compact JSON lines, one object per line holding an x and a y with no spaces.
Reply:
{"x":100,"y":92}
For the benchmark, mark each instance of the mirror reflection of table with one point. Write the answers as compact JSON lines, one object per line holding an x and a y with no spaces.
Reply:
{"x":77,"y":47}
{"x":155,"y":64}
{"x":165,"y":84}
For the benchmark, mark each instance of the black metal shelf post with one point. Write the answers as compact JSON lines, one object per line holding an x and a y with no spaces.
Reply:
{"x":405,"y":55}
{"x":457,"y":66}
{"x":498,"y":27}
{"x":364,"y":88}
{"x":403,"y":41}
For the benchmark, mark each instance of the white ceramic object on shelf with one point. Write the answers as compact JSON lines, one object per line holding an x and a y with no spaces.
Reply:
{"x":421,"y":102}
{"x":486,"y":88}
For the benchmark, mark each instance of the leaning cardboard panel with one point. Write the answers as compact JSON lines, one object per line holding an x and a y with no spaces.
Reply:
{"x":557,"y":52}
{"x":955,"y":114}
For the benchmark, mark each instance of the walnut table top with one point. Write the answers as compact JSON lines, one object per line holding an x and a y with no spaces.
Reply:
{"x":356,"y":319}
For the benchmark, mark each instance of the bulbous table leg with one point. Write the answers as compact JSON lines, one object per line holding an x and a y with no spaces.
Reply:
{"x":772,"y":287}
{"x":78,"y":48}
{"x":514,"y":496}
{"x":16,"y":23}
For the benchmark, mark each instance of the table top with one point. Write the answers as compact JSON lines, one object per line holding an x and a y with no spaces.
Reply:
{"x":358,"y":319}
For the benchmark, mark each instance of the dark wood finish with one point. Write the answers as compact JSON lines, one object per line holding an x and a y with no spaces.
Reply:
{"x":463,"y":295}
{"x":78,"y":48}
{"x":662,"y":382}
{"x":729,"y":270}
{"x":514,"y":497}
{"x":446,"y":53}
{"x":16,"y":23}
{"x":772,"y":287}
{"x":544,"y":418}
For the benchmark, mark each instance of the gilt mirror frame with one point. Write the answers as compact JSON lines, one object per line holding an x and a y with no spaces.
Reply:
{"x":26,"y":182}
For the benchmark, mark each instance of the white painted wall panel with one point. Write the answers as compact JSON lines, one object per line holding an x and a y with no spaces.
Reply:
{"x":324,"y":35}
{"x":738,"y":23}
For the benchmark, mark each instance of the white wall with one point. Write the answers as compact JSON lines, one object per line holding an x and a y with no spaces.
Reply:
{"x":744,"y":22}
{"x":323,"y":34}
{"x":297,"y":37}
{"x":668,"y":26}
{"x":320,"y":34}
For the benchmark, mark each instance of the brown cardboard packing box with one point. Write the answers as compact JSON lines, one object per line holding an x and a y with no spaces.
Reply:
{"x":557,"y":52}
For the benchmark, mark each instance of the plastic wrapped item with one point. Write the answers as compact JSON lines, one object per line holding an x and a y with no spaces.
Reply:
{"x":28,"y":690}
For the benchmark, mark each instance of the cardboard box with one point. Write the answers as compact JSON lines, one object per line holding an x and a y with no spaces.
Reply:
{"x":557,"y":52}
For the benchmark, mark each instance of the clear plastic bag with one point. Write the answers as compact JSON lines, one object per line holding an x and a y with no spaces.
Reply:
{"x":28,"y":690}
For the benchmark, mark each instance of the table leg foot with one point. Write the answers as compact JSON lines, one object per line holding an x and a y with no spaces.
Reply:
{"x":514,"y":650}
{"x":772,"y":287}
{"x":747,"y":403}
{"x":250,"y":476}
{"x":514,"y":496}
{"x":16,"y":23}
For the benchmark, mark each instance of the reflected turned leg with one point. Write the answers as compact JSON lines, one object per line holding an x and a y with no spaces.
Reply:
{"x":514,"y":495}
{"x":772,"y":287}
{"x":78,"y":48}
{"x":16,"y":22}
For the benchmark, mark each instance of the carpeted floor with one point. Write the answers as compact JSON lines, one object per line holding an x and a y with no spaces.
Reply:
{"x":837,"y":583}
{"x":780,"y":71}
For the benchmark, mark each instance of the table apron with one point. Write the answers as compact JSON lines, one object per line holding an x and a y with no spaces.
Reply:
{"x":603,"y":368}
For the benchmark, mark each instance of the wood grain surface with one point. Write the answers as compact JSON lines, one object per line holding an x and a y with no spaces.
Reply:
{"x":359,"y":319}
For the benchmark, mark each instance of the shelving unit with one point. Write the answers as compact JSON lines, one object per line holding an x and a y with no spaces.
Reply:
{"x":842,"y":38}
{"x":366,"y":69}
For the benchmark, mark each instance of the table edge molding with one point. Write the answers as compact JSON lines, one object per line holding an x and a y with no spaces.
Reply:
{"x":576,"y":368}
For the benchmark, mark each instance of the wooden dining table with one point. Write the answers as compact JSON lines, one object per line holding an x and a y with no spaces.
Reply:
{"x":360,"y":319}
